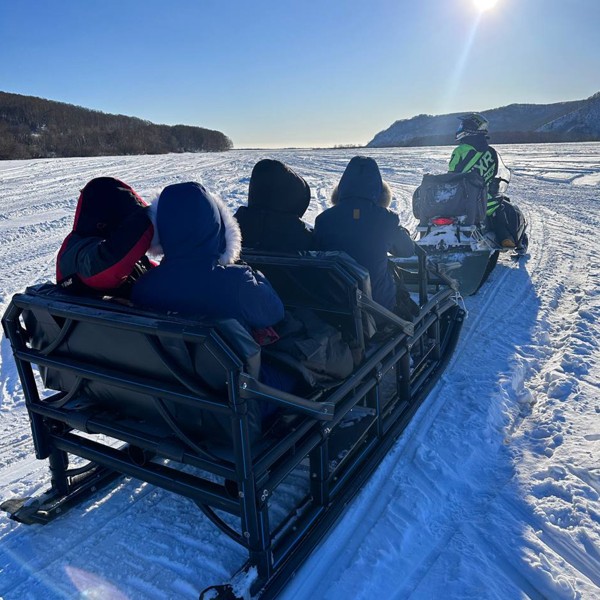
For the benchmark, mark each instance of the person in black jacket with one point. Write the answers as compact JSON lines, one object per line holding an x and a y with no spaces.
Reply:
{"x":361,"y":224}
{"x":277,"y":199}
{"x":106,"y":250}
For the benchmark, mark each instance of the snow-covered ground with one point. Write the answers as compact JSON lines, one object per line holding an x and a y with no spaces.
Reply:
{"x":492,"y":492}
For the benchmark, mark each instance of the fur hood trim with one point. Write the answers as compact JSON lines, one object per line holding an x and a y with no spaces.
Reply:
{"x":384,"y":200}
{"x":233,"y":234}
{"x":155,"y":247}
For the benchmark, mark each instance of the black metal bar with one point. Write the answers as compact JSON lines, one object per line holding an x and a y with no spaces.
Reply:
{"x":374,"y":398}
{"x":377,"y":309}
{"x":319,"y":473}
{"x":11,"y":325}
{"x":58,"y":462}
{"x":112,"y":377}
{"x":404,"y":386}
{"x":250,"y":388}
{"x":423,"y":274}
{"x":255,"y":522}
{"x":199,"y":490}
{"x":115,"y":316}
{"x":437,"y":337}
{"x":135,"y":437}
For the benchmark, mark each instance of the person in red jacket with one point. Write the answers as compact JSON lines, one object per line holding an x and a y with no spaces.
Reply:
{"x":106,"y":250}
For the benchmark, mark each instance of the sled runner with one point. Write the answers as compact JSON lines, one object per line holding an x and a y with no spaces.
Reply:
{"x":176,"y":403}
{"x":455,"y":232}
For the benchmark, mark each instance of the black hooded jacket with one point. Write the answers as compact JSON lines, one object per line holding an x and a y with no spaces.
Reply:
{"x":277,"y":199}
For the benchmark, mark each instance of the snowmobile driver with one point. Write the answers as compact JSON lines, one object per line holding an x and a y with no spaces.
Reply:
{"x":475,"y":153}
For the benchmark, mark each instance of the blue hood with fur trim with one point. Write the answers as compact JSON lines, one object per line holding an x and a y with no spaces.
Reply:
{"x":197,"y":277}
{"x":360,"y":224}
{"x":192,"y":222}
{"x":361,"y":179}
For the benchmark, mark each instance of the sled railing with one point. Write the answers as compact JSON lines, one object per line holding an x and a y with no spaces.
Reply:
{"x":177,"y":403}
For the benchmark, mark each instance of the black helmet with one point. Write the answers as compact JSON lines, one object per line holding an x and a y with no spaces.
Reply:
{"x":471,"y":124}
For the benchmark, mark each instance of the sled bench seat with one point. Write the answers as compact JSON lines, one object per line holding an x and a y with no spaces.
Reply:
{"x":176,"y":402}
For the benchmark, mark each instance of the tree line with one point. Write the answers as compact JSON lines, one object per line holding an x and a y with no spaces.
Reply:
{"x":32,"y":127}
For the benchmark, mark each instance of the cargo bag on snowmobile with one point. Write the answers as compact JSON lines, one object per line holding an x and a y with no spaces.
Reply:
{"x":451,"y":195}
{"x":173,"y":402}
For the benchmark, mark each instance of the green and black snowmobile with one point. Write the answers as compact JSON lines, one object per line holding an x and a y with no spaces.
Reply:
{"x":454,"y":230}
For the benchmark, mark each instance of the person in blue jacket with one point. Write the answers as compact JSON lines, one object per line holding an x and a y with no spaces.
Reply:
{"x":197,"y":276}
{"x":361,"y":224}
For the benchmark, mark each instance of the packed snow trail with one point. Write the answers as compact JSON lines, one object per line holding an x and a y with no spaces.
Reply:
{"x":493,"y":491}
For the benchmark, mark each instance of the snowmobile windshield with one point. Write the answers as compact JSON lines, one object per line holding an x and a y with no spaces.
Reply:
{"x":502,"y":178}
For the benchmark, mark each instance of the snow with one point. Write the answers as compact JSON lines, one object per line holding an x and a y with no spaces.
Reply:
{"x":493,"y":491}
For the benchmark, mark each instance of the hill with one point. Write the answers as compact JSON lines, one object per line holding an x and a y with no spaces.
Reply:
{"x":33,"y":127}
{"x":575,"y":121}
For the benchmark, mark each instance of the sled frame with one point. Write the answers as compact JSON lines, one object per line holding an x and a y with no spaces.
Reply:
{"x":240,"y":478}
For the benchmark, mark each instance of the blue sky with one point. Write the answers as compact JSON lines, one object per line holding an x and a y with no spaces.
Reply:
{"x":290,"y":73}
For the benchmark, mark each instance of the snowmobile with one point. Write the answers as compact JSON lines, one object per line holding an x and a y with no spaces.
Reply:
{"x":453,"y":228}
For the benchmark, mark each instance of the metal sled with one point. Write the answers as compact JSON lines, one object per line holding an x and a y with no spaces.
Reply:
{"x":175,"y":402}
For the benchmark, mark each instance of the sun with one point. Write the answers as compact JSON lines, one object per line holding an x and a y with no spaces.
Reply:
{"x":482,"y":5}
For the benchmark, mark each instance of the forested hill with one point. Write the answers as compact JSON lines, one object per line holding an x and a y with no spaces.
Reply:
{"x":32,"y":127}
{"x":574,"y":121}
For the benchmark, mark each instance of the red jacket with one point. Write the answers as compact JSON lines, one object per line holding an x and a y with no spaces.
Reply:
{"x":110,"y":237}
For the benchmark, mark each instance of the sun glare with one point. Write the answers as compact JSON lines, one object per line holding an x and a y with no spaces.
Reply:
{"x":482,"y":5}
